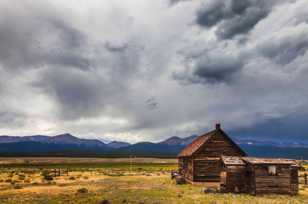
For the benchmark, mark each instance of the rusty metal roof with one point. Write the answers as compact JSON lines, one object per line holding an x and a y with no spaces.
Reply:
{"x":232,"y":160}
{"x":196,"y":144}
{"x":254,"y":160}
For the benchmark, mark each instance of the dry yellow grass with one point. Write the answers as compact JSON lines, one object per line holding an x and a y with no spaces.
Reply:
{"x":146,"y":183}
{"x":68,"y":160}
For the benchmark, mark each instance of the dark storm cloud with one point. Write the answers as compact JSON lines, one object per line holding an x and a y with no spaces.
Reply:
{"x":217,"y":70}
{"x":291,"y":127}
{"x":98,"y":71}
{"x":78,"y":93}
{"x":85,"y":93}
{"x":232,"y":17}
{"x":212,"y":69}
{"x":212,"y":13}
{"x":28,"y":41}
{"x":68,"y":74}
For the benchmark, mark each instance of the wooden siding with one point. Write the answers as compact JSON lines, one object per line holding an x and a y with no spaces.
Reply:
{"x":207,"y":162}
{"x":205,"y":154}
{"x":268,"y":184}
{"x":207,"y":169}
{"x":186,"y":167}
{"x":217,"y":146}
{"x":294,"y":180}
{"x":250,"y":180}
{"x":232,"y":179}
{"x":276,"y":176}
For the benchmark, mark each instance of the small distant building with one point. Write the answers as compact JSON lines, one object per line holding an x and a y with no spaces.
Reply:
{"x":271,"y":176}
{"x":200,"y":161}
{"x":259,"y":175}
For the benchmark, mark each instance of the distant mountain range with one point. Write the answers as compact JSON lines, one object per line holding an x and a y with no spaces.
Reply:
{"x":69,"y":145}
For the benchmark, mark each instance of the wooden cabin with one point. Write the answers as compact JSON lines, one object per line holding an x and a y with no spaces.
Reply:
{"x":259,"y":175}
{"x":200,"y":161}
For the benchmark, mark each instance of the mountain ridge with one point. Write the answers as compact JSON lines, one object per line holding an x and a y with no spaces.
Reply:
{"x":69,"y":145}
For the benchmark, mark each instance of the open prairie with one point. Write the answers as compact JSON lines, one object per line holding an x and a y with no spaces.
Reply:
{"x":118,"y":180}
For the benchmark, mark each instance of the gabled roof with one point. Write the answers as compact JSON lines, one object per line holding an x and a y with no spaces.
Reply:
{"x":202,"y":139}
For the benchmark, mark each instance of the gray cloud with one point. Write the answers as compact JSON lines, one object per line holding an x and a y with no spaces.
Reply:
{"x":116,"y":48}
{"x":286,"y":49}
{"x":12,"y":119}
{"x":212,"y":69}
{"x":107,"y":70}
{"x":78,"y":93}
{"x":216,"y":70}
{"x":212,"y":13}
{"x":151,"y":103}
{"x":31,"y":42}
{"x":232,"y":17}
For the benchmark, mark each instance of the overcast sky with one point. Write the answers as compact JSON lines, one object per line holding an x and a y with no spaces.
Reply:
{"x":139,"y":70}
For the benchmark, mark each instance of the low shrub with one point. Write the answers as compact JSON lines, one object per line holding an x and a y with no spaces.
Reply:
{"x":72,"y":178}
{"x":17,"y":187}
{"x":27,"y":180}
{"x":21,"y":177}
{"x":46,"y":175}
{"x":82,"y":191}
{"x":104,"y":202}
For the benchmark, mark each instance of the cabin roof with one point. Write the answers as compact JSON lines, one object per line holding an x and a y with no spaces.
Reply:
{"x":202,"y":139}
{"x":254,"y":160}
{"x":196,"y":144}
{"x":232,"y":160}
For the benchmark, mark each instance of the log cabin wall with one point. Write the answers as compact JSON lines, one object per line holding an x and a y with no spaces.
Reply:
{"x":186,"y":167}
{"x":250,"y":180}
{"x":207,"y":162}
{"x":233,"y":179}
{"x":266,"y":182}
{"x":181,"y":165}
{"x":207,"y":169}
{"x":294,"y":180}
{"x":190,"y":174}
{"x":200,"y":161}
{"x":217,"y":146}
{"x":259,"y":175}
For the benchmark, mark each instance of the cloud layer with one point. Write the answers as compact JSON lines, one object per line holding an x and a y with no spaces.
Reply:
{"x":145,"y":70}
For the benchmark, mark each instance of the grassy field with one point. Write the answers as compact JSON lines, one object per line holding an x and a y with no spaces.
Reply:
{"x":91,"y":181}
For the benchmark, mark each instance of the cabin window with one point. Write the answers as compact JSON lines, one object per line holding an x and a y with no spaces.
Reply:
{"x":272,"y":170}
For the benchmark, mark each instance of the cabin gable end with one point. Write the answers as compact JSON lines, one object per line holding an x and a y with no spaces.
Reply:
{"x":217,"y":145}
